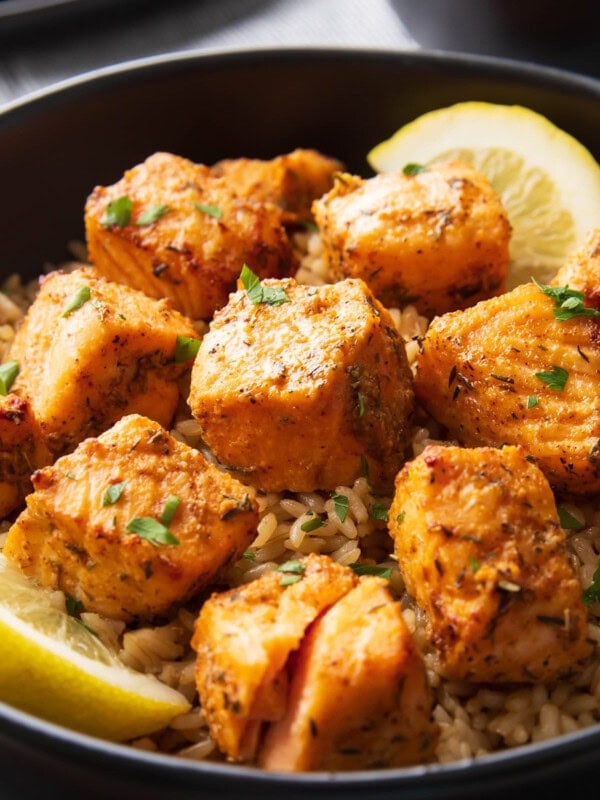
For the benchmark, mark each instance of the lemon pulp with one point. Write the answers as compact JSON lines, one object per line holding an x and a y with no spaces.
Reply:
{"x":549,"y":183}
{"x":53,"y":667}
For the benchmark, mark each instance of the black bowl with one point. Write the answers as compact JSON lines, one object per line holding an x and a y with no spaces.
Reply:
{"x":55,"y":146}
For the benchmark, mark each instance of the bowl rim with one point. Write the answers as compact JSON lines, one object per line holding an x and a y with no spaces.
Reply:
{"x":146,"y":65}
{"x":35,"y":731}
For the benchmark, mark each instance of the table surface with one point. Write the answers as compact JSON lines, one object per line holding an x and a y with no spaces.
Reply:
{"x":45,"y":41}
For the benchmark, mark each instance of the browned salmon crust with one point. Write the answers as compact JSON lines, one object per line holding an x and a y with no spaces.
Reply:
{"x":481,"y":550}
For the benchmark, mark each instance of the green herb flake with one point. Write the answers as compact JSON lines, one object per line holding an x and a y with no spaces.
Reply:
{"x":288,"y":579}
{"x":568,"y":302}
{"x":372,"y":569}
{"x":212,"y":211}
{"x":8,"y":374}
{"x":312,"y":524}
{"x":474,"y":564}
{"x":170,"y":509}
{"x":364,"y":471}
{"x":185,"y":348}
{"x":532,"y":401}
{"x":70,"y":476}
{"x":73,"y":606}
{"x":249,"y":555}
{"x":152,"y":530}
{"x":361,"y":404}
{"x":259,"y":294}
{"x":341,"y":505}
{"x":555,"y":378}
{"x":294,"y":567}
{"x":113,"y":493}
{"x":413,"y":169}
{"x":118,"y":212}
{"x":151,"y":213}
{"x":592,"y":594}
{"x":309,"y":225}
{"x":568,"y":521}
{"x":379,"y":511}
{"x":81,"y":296}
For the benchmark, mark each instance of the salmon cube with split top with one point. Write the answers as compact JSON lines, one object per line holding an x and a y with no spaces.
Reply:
{"x":359,"y":697}
{"x":244,"y":638}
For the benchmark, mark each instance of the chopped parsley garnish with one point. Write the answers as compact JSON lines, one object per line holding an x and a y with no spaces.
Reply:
{"x":244,"y":505}
{"x":400,"y":517}
{"x":474,"y":564}
{"x":361,"y":404}
{"x":249,"y":555}
{"x":259,"y":294}
{"x":292,"y":572}
{"x":568,"y":302}
{"x":592,"y":593}
{"x":378,"y":511}
{"x":185,"y":348}
{"x":555,"y":378}
{"x":70,"y":475}
{"x":212,"y":211}
{"x":152,"y":530}
{"x":8,"y":373}
{"x":309,"y":225}
{"x":151,"y":213}
{"x":532,"y":401}
{"x":296,"y":567}
{"x":312,"y":524}
{"x":113,"y":493}
{"x":171,"y":506}
{"x":81,"y":296}
{"x":118,"y":212}
{"x":413,"y":169}
{"x":341,"y":504}
{"x":568,"y":521}
{"x":372,"y":569}
{"x":288,"y":579}
{"x":73,"y":606}
{"x":364,"y":471}
{"x":157,"y":531}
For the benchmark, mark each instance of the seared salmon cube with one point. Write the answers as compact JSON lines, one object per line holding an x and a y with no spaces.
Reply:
{"x":132,"y":523}
{"x":91,"y":351}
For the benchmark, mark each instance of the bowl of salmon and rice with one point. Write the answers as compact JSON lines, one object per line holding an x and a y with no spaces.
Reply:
{"x":299,"y":428}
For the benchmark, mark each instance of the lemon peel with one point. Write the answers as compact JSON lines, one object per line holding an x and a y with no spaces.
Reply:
{"x":53,"y":667}
{"x":549,"y":183}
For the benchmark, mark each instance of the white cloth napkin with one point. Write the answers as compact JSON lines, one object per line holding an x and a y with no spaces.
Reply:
{"x":34,"y":59}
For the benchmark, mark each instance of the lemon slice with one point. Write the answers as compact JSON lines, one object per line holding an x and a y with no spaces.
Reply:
{"x":548,"y":182}
{"x":53,"y":667}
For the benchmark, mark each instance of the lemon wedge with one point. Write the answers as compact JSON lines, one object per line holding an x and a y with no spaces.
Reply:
{"x":549,"y":183}
{"x":53,"y":667}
